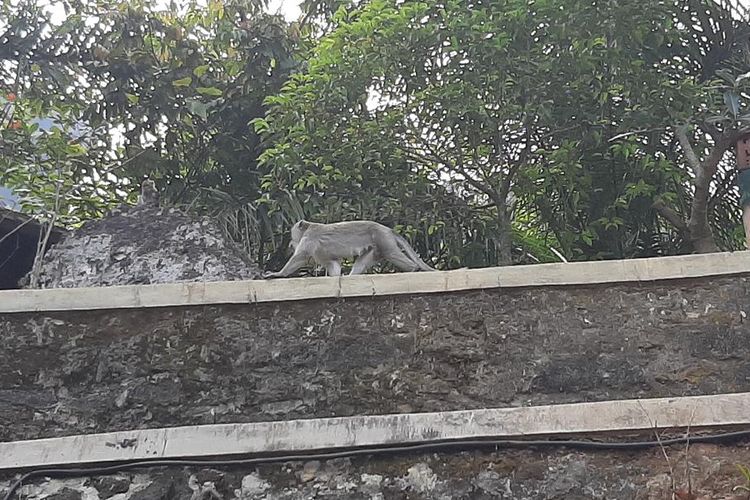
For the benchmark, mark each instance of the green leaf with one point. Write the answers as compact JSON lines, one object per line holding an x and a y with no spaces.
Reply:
{"x":212,"y":91}
{"x":260,"y":125}
{"x":197,"y":108}
{"x":732,"y":100}
{"x":132,"y":99}
{"x":183,"y":82}
{"x":201,"y":70}
{"x":75,"y":150}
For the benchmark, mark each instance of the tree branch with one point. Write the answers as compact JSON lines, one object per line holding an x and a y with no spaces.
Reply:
{"x":687,"y":149}
{"x":484,"y":188}
{"x":671,"y":216}
{"x":634,"y":132}
{"x":434,"y":158}
{"x":721,"y":146}
{"x":726,"y":184}
{"x":521,"y":160}
{"x":698,"y":222}
{"x":713,"y":131}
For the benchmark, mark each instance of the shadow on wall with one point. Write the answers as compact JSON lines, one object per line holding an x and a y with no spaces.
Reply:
{"x":19,"y":236}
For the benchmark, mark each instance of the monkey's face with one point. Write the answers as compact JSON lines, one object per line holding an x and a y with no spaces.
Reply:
{"x":148,"y":189}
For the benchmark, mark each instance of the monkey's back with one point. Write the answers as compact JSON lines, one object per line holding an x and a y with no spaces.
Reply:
{"x":347,"y":239}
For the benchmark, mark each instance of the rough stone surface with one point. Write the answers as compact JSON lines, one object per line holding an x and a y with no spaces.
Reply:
{"x":77,"y":372}
{"x":165,"y":486}
{"x":66,"y":494}
{"x":109,"y":486}
{"x":142,"y":245}
{"x":511,"y":474}
{"x":68,"y":373}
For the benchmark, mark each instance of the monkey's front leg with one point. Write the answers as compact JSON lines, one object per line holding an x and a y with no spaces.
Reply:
{"x":333,"y":268}
{"x":294,"y":264}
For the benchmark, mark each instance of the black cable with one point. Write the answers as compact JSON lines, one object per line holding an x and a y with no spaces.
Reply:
{"x":422,"y":447}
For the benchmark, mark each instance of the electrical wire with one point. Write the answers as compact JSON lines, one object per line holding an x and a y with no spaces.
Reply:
{"x":377,"y":450}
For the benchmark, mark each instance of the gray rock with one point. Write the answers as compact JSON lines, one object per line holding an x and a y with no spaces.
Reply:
{"x":163,"y":488}
{"x":65,"y":494}
{"x":108,"y":486}
{"x":252,"y":487}
{"x":421,"y":478}
{"x":143,"y":245}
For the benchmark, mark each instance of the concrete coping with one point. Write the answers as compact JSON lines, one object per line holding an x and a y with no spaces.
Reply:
{"x":310,"y":435}
{"x":256,"y":291}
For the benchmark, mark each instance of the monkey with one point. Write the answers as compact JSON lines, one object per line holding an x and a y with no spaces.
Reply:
{"x":369,"y":242}
{"x":149,"y":194}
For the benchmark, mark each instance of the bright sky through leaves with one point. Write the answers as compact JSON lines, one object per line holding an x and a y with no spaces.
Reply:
{"x":289,"y":8}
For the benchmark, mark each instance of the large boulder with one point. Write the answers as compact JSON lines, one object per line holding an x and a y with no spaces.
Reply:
{"x":145,"y":244}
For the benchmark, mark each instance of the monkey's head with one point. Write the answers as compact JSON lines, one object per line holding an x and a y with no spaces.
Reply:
{"x":149,"y":194}
{"x":298,"y":230}
{"x":148,"y":186}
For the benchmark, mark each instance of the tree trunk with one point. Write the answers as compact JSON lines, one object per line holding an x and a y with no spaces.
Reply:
{"x":704,"y":245}
{"x":697,"y":229}
{"x":504,"y":240}
{"x":700,"y":236}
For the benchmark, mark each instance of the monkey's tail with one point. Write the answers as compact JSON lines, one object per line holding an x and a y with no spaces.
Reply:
{"x":412,"y":254}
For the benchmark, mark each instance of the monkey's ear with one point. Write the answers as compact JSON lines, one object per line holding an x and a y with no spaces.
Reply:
{"x":303,"y":224}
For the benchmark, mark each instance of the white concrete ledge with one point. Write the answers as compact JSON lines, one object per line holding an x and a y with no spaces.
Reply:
{"x":318,"y":434}
{"x":243,"y":292}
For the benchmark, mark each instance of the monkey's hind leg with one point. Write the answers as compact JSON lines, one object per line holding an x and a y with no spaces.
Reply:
{"x":364,"y":262}
{"x":398,"y":259}
{"x":333,"y":268}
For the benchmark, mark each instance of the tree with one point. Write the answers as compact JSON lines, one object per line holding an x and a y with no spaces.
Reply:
{"x":664,"y":124}
{"x":433,"y":92}
{"x":715,"y":52}
{"x":485,"y":131}
{"x":628,"y":81}
{"x":175,"y":87}
{"x":496,"y":96}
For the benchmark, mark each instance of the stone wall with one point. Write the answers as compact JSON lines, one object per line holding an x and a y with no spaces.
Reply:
{"x":529,"y":474}
{"x":73,"y":372}
{"x":91,"y":371}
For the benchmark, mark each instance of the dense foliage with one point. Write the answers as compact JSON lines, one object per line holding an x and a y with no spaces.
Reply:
{"x":574,"y":110}
{"x":169,"y":92}
{"x":488,"y":131}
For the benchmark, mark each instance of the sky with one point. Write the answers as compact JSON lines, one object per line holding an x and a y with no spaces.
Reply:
{"x":289,"y":8}
{"x":8,"y":199}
